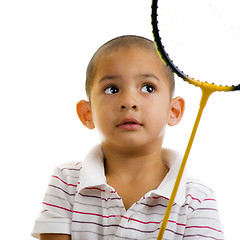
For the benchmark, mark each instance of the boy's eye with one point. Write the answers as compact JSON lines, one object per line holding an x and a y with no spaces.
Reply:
{"x":111,"y":90}
{"x":148,"y":88}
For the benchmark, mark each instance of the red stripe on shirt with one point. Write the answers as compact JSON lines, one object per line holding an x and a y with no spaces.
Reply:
{"x":209,"y":199}
{"x":189,"y":195}
{"x":122,"y":216}
{"x":68,"y":184}
{"x":51,"y":205}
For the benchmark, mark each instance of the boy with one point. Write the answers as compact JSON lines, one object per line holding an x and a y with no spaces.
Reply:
{"x":121,"y":189}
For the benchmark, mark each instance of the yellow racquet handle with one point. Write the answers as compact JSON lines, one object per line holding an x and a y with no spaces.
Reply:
{"x":206,"y":92}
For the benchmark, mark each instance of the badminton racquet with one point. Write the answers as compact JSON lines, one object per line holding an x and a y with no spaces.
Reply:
{"x":199,"y":41}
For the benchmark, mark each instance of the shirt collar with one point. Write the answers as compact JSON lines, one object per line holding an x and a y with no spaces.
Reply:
{"x":173,"y":160}
{"x":93,"y":173}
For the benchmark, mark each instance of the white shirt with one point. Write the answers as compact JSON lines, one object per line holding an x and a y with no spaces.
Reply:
{"x":79,"y":202}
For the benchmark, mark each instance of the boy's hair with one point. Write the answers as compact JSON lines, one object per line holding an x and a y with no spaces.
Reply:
{"x":113,"y":45}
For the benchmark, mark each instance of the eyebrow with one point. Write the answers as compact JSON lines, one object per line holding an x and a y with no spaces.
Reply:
{"x":109,"y":77}
{"x":150,"y":76}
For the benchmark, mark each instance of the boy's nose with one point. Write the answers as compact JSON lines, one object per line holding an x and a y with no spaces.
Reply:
{"x":129,"y":107}
{"x":129,"y":101}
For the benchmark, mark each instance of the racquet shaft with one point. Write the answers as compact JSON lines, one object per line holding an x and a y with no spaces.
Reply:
{"x":205,"y":95}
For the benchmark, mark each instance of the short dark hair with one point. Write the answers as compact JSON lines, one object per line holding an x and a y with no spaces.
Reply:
{"x":113,"y":45}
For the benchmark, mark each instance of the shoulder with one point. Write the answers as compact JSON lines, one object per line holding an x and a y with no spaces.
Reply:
{"x":71,"y":173}
{"x":198,"y":187}
{"x":199,"y":195}
{"x":67,"y":174}
{"x":70,"y":169}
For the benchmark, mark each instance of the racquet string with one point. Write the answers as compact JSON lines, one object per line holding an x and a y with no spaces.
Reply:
{"x":202,"y":38}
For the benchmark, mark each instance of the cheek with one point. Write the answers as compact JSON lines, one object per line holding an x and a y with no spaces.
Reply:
{"x":103,"y":124}
{"x":159,"y":124}
{"x":159,"y":116}
{"x":158,"y":108}
{"x":99,"y":124}
{"x":101,"y":117}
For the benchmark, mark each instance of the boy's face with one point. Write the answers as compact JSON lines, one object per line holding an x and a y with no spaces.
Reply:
{"x":130,"y":99}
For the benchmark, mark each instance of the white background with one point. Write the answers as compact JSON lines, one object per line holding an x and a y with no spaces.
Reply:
{"x":45,"y":47}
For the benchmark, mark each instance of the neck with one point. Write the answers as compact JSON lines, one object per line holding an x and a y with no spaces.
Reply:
{"x":134,"y":165}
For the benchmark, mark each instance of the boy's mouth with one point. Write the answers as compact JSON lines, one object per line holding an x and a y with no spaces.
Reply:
{"x":129,"y":124}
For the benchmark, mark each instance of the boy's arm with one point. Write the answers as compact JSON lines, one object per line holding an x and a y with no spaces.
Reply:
{"x":49,"y":236}
{"x":56,"y":214}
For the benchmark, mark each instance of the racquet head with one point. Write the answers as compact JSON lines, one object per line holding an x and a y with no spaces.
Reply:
{"x":200,"y":40}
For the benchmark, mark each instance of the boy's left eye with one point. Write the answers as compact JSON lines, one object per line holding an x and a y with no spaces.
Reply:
{"x":148,"y":88}
{"x":111,"y":90}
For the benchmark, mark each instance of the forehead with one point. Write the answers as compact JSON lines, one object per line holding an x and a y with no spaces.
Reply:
{"x":125,"y":60}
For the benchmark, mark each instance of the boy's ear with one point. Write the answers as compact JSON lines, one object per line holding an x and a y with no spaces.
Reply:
{"x":85,"y":114}
{"x":176,"y":111}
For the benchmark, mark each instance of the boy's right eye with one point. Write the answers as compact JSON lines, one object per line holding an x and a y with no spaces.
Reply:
{"x":111,"y":90}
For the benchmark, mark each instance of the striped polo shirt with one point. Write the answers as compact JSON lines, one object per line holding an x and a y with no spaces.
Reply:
{"x":79,"y":202}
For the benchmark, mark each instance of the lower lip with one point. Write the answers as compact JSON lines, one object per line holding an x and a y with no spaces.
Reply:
{"x":130,"y":127}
